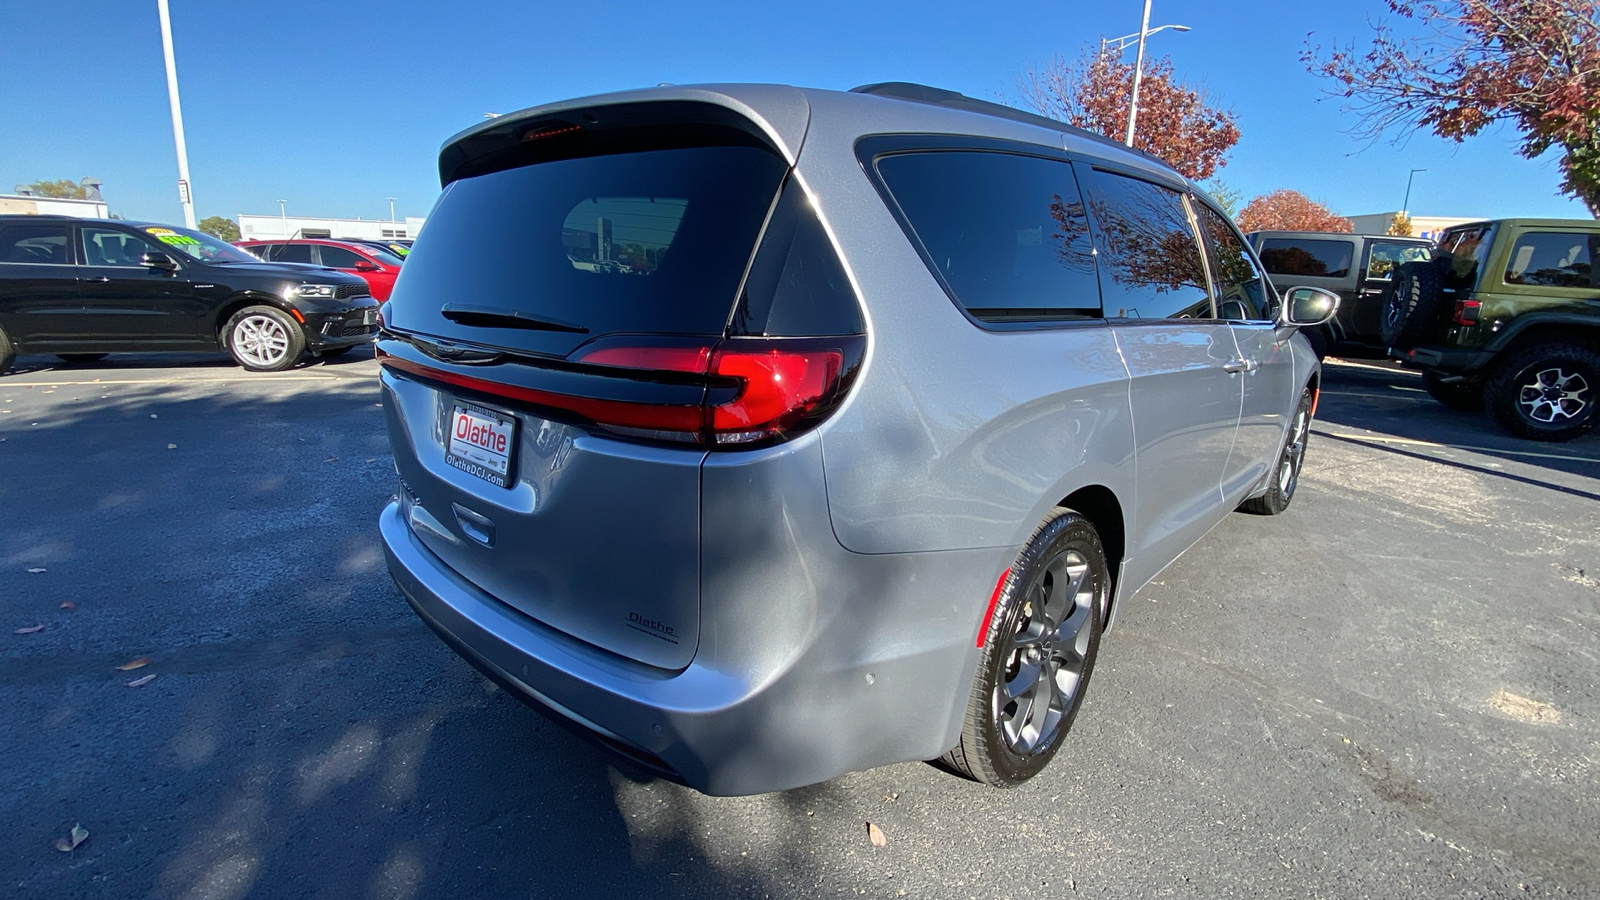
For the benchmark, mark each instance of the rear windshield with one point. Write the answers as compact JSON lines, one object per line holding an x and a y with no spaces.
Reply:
{"x":1318,"y":259}
{"x":1466,"y":249}
{"x":651,"y":242}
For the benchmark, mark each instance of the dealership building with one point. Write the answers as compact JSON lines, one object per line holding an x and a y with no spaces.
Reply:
{"x":260,"y":228}
{"x":1421,"y":226}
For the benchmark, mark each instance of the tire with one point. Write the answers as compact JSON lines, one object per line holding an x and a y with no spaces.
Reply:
{"x":80,"y":357}
{"x":1285,"y":475}
{"x":1462,"y":396}
{"x":1547,"y":392}
{"x":264,"y":339}
{"x":1041,"y":642}
{"x":1413,"y":305}
{"x":8,"y":353}
{"x":336,"y":351}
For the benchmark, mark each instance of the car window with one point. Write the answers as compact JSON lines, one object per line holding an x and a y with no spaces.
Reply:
{"x":111,"y":247}
{"x":1384,"y":256}
{"x":1554,"y":259}
{"x":264,"y":251}
{"x":34,"y":243}
{"x":1151,"y":256}
{"x":1007,"y":233}
{"x":339,"y":257}
{"x":1304,"y":256}
{"x":1241,"y":292}
{"x":1466,"y":249}
{"x":296,"y":253}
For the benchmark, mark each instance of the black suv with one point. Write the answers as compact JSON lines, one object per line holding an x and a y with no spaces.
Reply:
{"x":82,"y":288}
{"x":1357,"y":267}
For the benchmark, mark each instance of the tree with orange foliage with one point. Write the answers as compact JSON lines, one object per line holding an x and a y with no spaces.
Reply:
{"x":1532,"y":63}
{"x":1176,"y":123}
{"x":1286,"y":210}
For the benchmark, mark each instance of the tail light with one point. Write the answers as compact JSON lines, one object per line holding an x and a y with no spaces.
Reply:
{"x":753,"y":391}
{"x":1466,"y":312}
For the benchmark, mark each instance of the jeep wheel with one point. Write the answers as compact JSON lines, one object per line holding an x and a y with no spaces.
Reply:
{"x":1039,"y":651}
{"x":263,"y":339}
{"x":1286,"y":474}
{"x":1413,"y":304}
{"x":1462,"y":396}
{"x":1548,"y":392}
{"x":8,"y":353}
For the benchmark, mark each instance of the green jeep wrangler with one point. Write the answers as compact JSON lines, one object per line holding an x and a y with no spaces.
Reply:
{"x":1506,"y":317}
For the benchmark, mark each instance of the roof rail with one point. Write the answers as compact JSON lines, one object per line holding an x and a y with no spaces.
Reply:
{"x":922,"y":93}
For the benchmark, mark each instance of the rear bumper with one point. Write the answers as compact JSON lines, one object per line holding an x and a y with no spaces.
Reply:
{"x":834,"y":706}
{"x":1456,"y":362}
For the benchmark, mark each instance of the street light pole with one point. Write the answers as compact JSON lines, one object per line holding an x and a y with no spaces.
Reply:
{"x":284,"y":218}
{"x":184,"y":195}
{"x":1405,"y":208}
{"x":391,"y":209}
{"x":1138,"y":70}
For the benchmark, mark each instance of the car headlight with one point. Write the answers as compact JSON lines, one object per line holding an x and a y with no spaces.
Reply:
{"x":315,"y":290}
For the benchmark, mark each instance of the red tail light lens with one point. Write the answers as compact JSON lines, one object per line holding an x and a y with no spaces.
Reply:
{"x":781,"y":388}
{"x":1466,"y":312}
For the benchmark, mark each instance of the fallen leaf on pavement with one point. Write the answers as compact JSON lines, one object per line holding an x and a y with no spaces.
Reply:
{"x":29,"y":630}
{"x":71,"y":842}
{"x":172,"y":446}
{"x":132,"y":664}
{"x":68,"y":604}
{"x":37,"y":570}
{"x":141,"y":682}
{"x":877,"y":836}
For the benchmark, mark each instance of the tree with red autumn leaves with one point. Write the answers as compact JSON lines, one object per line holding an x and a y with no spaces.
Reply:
{"x":1532,"y":63}
{"x":1286,"y":210}
{"x":1175,"y":124}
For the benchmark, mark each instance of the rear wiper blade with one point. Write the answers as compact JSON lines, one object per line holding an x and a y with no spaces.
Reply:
{"x":501,"y":317}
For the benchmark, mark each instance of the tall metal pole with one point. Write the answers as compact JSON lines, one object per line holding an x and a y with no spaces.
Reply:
{"x":1406,"y":206}
{"x":391,"y":209}
{"x":184,"y":194}
{"x":283,"y":217}
{"x":1138,"y":70}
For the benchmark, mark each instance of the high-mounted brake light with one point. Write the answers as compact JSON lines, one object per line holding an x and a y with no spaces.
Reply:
{"x":550,"y":129}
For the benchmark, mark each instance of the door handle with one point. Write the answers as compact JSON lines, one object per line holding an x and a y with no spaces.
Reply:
{"x":101,"y":280}
{"x":1235,"y":366}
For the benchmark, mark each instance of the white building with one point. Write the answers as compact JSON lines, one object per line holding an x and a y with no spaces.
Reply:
{"x":1421,"y":226}
{"x":260,"y":228}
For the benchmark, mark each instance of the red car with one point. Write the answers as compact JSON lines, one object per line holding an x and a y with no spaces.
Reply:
{"x":378,"y":266}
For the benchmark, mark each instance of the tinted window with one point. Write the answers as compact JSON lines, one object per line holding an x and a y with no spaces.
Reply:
{"x":1152,"y":262}
{"x":1554,"y":259}
{"x":31,"y":243}
{"x":1242,"y":294}
{"x":1466,"y":249}
{"x":1007,"y":233}
{"x":264,"y":251}
{"x":110,"y":247}
{"x":339,"y":257}
{"x":1297,"y":256}
{"x":297,"y":253}
{"x":797,"y":286}
{"x":1384,"y":256}
{"x":651,"y":242}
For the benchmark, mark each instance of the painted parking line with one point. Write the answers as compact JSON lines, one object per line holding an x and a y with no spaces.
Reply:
{"x":1410,"y":442}
{"x":98,"y":381}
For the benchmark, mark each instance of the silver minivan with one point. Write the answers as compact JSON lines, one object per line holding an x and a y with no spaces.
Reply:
{"x":768,"y":434}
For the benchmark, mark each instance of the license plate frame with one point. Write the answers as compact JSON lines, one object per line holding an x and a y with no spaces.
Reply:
{"x":476,"y":451}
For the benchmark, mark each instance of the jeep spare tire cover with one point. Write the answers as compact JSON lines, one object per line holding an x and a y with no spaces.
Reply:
{"x":1414,"y":304}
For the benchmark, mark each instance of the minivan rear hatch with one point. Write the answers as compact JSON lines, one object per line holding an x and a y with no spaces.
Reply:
{"x":545,"y":363}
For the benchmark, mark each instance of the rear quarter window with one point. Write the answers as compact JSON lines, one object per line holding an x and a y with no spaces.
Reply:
{"x":1307,"y":257}
{"x":1554,"y":259}
{"x":34,"y":243}
{"x":1005,"y":233}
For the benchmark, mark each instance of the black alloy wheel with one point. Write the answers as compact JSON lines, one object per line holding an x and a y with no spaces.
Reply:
{"x":1285,"y":475}
{"x":1548,"y":392}
{"x":1039,"y":652}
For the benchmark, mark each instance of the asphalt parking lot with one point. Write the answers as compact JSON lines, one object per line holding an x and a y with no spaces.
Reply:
{"x":1392,"y":690}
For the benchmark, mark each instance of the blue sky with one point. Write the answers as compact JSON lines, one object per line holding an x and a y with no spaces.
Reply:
{"x":334,"y":106}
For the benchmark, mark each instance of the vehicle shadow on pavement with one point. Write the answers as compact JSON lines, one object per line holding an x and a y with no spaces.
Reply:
{"x":1390,"y":401}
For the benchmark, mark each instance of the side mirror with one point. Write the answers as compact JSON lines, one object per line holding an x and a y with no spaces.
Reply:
{"x":364,"y":266}
{"x":1306,"y":306}
{"x":153,"y":259}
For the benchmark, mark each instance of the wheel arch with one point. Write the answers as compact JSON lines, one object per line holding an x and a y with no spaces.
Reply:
{"x":249,"y":298}
{"x":1099,"y":504}
{"x":1535,"y":328}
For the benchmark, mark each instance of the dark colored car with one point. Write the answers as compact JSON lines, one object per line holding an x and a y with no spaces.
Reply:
{"x":1506,"y":319}
{"x":82,"y":288}
{"x":375,"y":265}
{"x":1357,"y":267}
